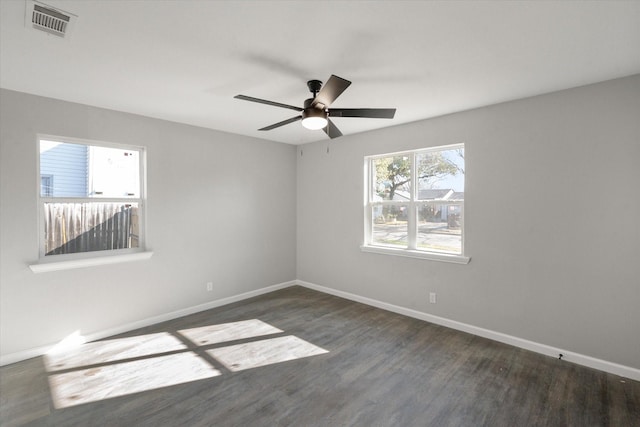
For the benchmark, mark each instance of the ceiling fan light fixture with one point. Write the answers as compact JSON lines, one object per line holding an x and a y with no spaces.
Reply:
{"x":314,"y":123}
{"x":314,"y":119}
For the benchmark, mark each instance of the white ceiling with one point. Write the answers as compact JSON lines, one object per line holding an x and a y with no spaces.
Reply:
{"x":185,"y":60}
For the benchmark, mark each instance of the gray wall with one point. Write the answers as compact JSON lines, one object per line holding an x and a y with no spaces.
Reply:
{"x":221,"y":208}
{"x":552,"y":204}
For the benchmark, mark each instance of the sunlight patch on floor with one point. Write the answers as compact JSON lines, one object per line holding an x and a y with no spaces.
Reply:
{"x":68,"y":343}
{"x":90,"y":385}
{"x":264,"y":352}
{"x":118,"y":367}
{"x":214,"y":334}
{"x":112,"y":350}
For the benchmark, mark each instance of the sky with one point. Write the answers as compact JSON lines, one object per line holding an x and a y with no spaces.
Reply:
{"x":455,"y":182}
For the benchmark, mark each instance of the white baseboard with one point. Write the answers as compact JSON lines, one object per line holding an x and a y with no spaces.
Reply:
{"x":39,"y":351}
{"x":569,"y":356}
{"x":580,"y":359}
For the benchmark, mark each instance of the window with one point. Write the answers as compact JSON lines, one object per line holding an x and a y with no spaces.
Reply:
{"x":414,"y":203}
{"x":46,"y":185}
{"x":90,"y":197}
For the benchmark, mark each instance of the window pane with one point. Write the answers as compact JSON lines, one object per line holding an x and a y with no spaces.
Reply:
{"x":441,"y":175}
{"x":113,"y":172}
{"x":65,"y":167}
{"x":78,"y":170}
{"x":392,"y":178}
{"x":439,"y":228}
{"x":390,"y":225}
{"x":88,"y":227}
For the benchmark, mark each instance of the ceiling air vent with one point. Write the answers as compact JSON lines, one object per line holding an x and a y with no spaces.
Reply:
{"x":47,"y":18}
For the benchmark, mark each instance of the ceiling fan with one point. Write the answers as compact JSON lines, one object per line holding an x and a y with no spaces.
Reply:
{"x":316,"y":112}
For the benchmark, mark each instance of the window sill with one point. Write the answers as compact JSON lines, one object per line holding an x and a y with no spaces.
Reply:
{"x":44,"y":267}
{"x":457,"y":259}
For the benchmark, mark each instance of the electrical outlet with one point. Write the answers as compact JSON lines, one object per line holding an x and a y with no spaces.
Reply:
{"x":432,"y":297}
{"x":209,"y":286}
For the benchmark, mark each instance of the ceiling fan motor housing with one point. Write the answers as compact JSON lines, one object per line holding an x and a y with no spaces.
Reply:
{"x":313,"y":111}
{"x":313,"y":117}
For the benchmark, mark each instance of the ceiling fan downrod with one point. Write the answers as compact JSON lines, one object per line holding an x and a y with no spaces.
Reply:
{"x":314,"y":86}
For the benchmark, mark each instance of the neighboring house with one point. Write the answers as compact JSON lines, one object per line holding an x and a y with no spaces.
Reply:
{"x":63,"y":169}
{"x":433,"y":213}
{"x":78,"y":170}
{"x":435,"y":193}
{"x":444,"y":211}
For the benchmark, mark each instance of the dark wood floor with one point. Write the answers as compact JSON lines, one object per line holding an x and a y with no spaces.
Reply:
{"x":381,"y":369}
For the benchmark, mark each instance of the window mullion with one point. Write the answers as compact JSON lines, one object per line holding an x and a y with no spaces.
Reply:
{"x":412,"y":215}
{"x":368,"y":210}
{"x":462,"y":228}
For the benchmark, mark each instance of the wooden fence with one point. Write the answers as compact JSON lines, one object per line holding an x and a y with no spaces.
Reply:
{"x":86,"y":227}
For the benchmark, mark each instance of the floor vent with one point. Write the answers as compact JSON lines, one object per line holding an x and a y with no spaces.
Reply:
{"x":47,"y":18}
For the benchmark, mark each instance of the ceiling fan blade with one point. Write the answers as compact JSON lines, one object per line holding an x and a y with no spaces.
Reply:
{"x":374,"y":113}
{"x":282,"y":123}
{"x":332,"y":130}
{"x":264,"y":101}
{"x":332,"y":89}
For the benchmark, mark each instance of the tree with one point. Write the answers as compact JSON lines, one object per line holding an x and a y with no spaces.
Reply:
{"x":394,"y":172}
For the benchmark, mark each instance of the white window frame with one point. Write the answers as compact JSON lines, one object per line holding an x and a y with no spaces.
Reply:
{"x":413,"y":204}
{"x":85,"y":259}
